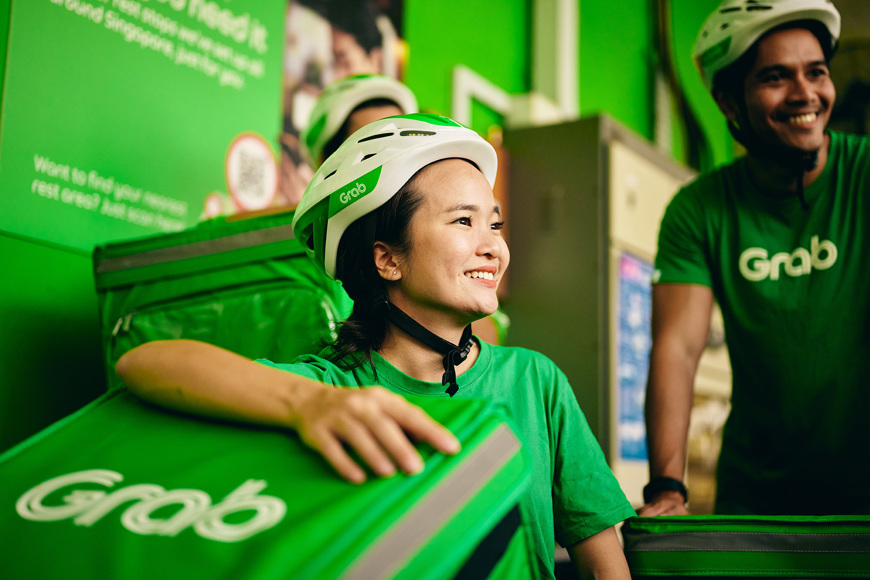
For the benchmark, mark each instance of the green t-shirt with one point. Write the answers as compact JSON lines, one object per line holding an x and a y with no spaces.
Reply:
{"x":793,"y":286}
{"x":573,"y":494}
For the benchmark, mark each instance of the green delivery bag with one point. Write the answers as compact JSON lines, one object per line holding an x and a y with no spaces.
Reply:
{"x":244,"y":285}
{"x":748,"y":546}
{"x":124,"y":490}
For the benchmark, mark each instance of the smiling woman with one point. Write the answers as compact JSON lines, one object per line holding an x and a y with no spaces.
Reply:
{"x":389,"y":184}
{"x":420,"y":251}
{"x":459,"y":256}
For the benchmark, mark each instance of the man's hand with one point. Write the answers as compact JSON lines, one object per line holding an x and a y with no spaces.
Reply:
{"x":666,"y":503}
{"x":375,"y":423}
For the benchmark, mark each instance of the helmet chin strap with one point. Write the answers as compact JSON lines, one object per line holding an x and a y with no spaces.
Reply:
{"x":453,"y":354}
{"x":807,"y":163}
{"x":801,"y":162}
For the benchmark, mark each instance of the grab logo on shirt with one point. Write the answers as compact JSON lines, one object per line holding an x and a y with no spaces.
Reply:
{"x":755,"y":265}
{"x":73,"y":496}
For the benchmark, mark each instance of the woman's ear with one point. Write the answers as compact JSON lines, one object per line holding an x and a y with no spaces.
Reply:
{"x":387,"y":262}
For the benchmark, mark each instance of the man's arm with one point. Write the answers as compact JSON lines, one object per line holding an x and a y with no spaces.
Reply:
{"x":203,"y":379}
{"x":680,"y":322}
{"x":600,"y":556}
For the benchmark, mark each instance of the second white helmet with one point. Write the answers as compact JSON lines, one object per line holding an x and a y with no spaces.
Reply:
{"x":337,"y":102}
{"x":735,"y":26}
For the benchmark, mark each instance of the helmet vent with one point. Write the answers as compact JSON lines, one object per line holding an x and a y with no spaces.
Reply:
{"x":325,"y":177}
{"x":417,"y":133}
{"x":368,"y":156}
{"x":756,"y":8}
{"x":378,"y":136}
{"x":727,"y":10}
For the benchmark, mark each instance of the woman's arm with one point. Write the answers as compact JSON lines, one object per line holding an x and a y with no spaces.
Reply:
{"x":600,"y":556}
{"x":204,"y":379}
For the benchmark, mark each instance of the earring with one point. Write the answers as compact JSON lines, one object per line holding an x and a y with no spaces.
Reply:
{"x":394,"y":272}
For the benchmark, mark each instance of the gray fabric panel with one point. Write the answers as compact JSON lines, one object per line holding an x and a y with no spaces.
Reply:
{"x":430,"y":514}
{"x":748,"y":542}
{"x":196,"y":249}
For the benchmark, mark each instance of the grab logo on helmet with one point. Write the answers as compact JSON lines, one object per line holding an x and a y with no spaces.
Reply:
{"x":755,"y":265}
{"x":347,"y":196}
{"x":193,"y":508}
{"x":353,"y":191}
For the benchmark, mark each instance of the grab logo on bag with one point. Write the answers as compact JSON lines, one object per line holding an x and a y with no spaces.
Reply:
{"x":194,"y":509}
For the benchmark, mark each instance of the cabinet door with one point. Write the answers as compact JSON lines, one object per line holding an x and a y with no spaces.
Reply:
{"x":639,"y":192}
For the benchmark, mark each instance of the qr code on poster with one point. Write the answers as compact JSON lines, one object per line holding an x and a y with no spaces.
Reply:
{"x":252,"y":174}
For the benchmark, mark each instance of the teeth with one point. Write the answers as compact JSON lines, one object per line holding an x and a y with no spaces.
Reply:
{"x":482,"y":275}
{"x":800,"y":119}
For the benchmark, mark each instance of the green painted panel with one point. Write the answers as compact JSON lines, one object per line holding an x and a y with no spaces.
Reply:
{"x":687,"y":18}
{"x":5,"y":9}
{"x":50,"y":362}
{"x":490,"y":38}
{"x":616,"y":62}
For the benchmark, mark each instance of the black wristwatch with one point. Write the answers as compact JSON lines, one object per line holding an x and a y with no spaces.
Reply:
{"x":659,"y":484}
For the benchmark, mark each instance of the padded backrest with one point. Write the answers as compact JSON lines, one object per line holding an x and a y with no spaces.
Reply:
{"x":246,"y":286}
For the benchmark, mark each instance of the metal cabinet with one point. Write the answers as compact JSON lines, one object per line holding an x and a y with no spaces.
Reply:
{"x":586,"y":199}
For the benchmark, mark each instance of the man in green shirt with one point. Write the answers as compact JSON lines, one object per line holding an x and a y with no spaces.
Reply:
{"x":779,"y":239}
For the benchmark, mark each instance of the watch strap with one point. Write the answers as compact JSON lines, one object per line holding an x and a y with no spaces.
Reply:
{"x":660,"y":484}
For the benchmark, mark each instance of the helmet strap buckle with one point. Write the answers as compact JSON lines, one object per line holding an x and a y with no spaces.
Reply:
{"x":454,"y":354}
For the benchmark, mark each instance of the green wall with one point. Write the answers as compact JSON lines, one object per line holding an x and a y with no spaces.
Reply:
{"x":494,"y":39}
{"x":616,"y":59}
{"x":493,"y":42}
{"x":688,"y":16}
{"x":5,"y":11}
{"x":84,"y":84}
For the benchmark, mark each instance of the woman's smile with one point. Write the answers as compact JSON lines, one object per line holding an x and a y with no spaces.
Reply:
{"x":457,"y":255}
{"x":485,"y":275}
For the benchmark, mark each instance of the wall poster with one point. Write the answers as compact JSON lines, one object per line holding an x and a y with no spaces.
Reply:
{"x":634,"y":338}
{"x":118,"y":114}
{"x":327,"y":40}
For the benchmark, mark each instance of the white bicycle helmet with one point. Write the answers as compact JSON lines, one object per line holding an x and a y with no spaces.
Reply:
{"x":735,"y":26}
{"x":340,"y":98}
{"x":370,"y":167}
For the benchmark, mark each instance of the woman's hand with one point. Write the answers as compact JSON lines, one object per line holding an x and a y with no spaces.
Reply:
{"x":373,"y":422}
{"x":200,"y":378}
